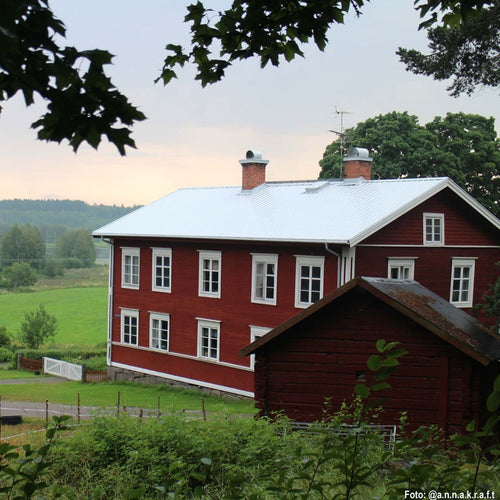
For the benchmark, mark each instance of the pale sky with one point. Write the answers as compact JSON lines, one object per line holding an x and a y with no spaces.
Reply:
{"x":195,"y":136}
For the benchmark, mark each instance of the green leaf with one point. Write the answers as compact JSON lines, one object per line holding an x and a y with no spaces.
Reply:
{"x":382,"y":385}
{"x":374,"y":362}
{"x":363,"y":391}
{"x":493,"y":401}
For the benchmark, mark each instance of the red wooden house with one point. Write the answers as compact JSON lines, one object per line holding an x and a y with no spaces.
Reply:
{"x":321,"y":353}
{"x":200,"y":273}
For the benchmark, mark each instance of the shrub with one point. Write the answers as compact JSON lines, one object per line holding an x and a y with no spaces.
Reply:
{"x":53,"y":269}
{"x":4,"y":336}
{"x":72,"y":263}
{"x":6,"y":355}
{"x":19,"y":274}
{"x":37,"y":327}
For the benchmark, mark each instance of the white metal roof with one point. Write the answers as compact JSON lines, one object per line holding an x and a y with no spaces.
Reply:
{"x":329,"y":211}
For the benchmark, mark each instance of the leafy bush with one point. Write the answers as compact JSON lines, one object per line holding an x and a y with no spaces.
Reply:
{"x":6,"y":355}
{"x":37,"y":327}
{"x":17,"y":275}
{"x":96,"y":363}
{"x":53,"y":268}
{"x":4,"y":336}
{"x":72,"y":354}
{"x":72,"y":263}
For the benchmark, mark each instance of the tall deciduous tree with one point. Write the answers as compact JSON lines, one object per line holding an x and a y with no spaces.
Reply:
{"x":462,"y":146}
{"x":468,"y":54}
{"x":77,"y":243}
{"x":23,"y":244}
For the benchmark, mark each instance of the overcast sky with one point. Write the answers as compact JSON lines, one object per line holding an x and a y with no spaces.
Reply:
{"x":195,"y":136}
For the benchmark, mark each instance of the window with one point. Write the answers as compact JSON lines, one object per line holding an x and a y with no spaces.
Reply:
{"x":208,"y":339}
{"x":462,"y":282}
{"x":308,"y":280}
{"x":256,"y":332}
{"x":401,"y":268}
{"x":159,"y":327}
{"x":434,"y":229}
{"x":130,"y":267}
{"x":264,"y":278}
{"x":162,"y":268}
{"x":130,"y":326}
{"x":210,"y":274}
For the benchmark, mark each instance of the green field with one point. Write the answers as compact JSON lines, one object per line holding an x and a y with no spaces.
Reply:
{"x":81,"y":312}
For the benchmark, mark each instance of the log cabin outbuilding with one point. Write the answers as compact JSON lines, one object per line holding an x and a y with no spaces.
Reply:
{"x":321,"y":353}
{"x":200,"y":273}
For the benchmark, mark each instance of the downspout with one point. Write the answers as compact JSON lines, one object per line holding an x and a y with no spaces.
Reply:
{"x":110,"y":299}
{"x":339,"y":260}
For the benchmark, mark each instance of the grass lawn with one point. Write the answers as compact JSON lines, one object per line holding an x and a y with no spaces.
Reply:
{"x":132,"y":395}
{"x":11,"y":374}
{"x":81,"y":312}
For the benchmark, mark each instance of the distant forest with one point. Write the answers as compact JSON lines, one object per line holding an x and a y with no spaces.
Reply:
{"x":54,"y":217}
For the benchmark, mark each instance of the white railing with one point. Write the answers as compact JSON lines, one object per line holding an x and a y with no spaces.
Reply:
{"x":62,"y":369}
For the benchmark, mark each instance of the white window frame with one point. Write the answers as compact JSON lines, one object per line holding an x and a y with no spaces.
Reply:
{"x":401,"y":263}
{"x":211,"y":325}
{"x":212,"y":257}
{"x":161,"y":252}
{"x":256,"y":332}
{"x":265,"y":259}
{"x":462,"y":263}
{"x":431,"y":217}
{"x":133,"y":314}
{"x":128,"y":278}
{"x":308,"y":261}
{"x":160,"y":317}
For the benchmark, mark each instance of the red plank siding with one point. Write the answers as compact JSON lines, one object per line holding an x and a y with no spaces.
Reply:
{"x":312,"y":362}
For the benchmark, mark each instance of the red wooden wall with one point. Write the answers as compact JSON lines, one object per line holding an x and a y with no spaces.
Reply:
{"x":320,"y":358}
{"x":234,"y":309}
{"x":466,"y":235}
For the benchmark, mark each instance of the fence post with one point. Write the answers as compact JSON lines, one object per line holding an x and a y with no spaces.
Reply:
{"x":47,"y":411}
{"x":118,"y":405}
{"x":158,"y":413}
{"x":203,"y":409}
{"x":78,"y":408}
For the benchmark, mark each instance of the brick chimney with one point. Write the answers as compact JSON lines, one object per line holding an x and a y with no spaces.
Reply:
{"x":253,"y":170}
{"x":357,"y":164}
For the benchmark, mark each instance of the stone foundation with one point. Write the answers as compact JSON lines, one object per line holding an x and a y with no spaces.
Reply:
{"x":123,"y":375}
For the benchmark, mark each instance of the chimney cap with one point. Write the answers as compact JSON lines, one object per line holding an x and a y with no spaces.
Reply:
{"x":359,"y":154}
{"x":254,"y":156}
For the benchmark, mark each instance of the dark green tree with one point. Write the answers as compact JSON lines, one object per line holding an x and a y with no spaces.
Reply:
{"x":274,"y":30}
{"x":82,"y":103}
{"x":469,"y":54}
{"x":77,"y":243}
{"x":17,"y":275}
{"x":462,"y":146}
{"x":23,"y":244}
{"x":37,"y":327}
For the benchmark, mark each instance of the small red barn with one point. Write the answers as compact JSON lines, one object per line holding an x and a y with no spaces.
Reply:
{"x":322,"y":353}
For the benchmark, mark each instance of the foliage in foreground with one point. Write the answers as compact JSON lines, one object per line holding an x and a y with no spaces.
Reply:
{"x":177,"y":457}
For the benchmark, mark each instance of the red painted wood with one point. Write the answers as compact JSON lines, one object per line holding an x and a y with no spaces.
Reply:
{"x":301,"y":369}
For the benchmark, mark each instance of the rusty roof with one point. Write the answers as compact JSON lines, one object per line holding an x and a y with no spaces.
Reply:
{"x":416,"y":302}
